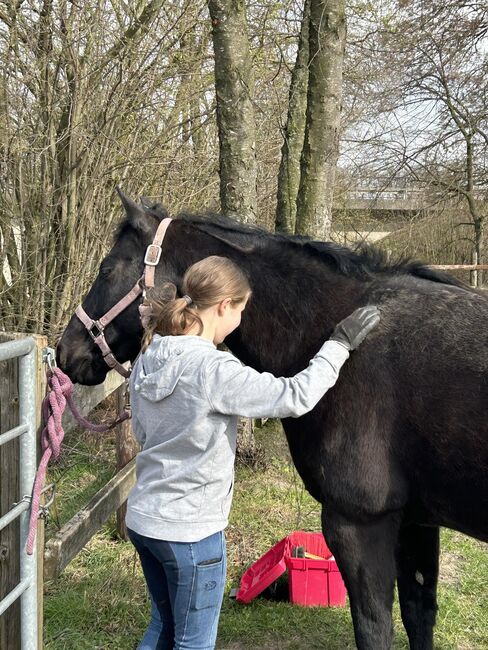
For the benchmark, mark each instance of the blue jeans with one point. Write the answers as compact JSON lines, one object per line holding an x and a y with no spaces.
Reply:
{"x":151,"y":636}
{"x":186,"y":584}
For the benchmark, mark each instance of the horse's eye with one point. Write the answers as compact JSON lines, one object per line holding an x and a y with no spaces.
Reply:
{"x":105,"y":270}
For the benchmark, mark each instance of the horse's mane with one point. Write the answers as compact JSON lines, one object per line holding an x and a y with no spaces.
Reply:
{"x":363,"y":262}
{"x":367,"y":260}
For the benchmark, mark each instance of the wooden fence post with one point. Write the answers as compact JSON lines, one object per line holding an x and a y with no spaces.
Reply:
{"x":41,"y":342}
{"x":126,"y":449}
{"x":474,"y":274}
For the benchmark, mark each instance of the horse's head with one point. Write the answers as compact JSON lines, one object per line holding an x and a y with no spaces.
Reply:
{"x":189,"y":238}
{"x":77,"y":354}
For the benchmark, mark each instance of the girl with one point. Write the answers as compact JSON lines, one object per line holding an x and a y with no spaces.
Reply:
{"x":186,"y":395}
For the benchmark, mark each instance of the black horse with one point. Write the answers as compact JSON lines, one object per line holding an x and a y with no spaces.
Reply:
{"x":397,"y":448}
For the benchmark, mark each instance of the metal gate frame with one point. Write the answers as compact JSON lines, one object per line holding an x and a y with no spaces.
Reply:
{"x":26,"y":590}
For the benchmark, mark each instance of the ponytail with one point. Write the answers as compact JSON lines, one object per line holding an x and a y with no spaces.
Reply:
{"x":169,"y":314}
{"x":205,"y":283}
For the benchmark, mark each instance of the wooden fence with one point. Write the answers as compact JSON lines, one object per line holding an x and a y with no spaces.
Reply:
{"x":57,"y":552}
{"x":475,"y":271}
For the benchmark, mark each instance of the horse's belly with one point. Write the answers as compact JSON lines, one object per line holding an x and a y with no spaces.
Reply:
{"x":452,"y":502}
{"x":357,"y":478}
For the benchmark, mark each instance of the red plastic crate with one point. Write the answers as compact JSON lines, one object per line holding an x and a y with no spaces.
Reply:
{"x":314,"y":582}
{"x":311,"y":582}
{"x":262,"y":573}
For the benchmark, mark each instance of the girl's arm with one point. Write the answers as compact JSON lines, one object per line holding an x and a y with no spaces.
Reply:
{"x":240,"y":390}
{"x":234,"y":389}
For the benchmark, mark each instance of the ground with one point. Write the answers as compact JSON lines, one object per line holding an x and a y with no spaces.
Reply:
{"x":99,"y":602}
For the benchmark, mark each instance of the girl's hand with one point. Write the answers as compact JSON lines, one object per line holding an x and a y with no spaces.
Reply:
{"x":352,"y":331}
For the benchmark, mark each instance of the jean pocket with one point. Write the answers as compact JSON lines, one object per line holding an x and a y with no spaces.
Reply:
{"x":208,"y":585}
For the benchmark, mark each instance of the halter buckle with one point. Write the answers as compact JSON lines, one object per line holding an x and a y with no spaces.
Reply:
{"x":153,"y":255}
{"x":95,"y":330}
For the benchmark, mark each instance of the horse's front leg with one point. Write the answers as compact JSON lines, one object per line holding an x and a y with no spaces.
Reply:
{"x":418,"y":569}
{"x":365,"y":554}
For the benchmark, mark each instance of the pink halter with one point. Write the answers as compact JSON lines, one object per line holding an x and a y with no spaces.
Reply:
{"x":96,"y":328}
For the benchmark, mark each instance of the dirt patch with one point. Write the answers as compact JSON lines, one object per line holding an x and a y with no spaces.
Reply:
{"x":450,"y":569}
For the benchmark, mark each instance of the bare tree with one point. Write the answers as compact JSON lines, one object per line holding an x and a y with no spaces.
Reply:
{"x":322,"y":130}
{"x":294,"y":133}
{"x":448,"y":70}
{"x":91,"y":97}
{"x":108,"y":93}
{"x":424,"y":109}
{"x":234,"y":84}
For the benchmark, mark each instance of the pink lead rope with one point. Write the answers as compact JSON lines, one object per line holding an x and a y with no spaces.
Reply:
{"x":59,"y":392}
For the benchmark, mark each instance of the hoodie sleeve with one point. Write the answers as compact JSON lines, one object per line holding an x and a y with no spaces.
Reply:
{"x":234,"y":389}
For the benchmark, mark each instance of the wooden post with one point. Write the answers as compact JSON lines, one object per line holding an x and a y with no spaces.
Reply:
{"x":248,"y":451}
{"x":41,"y":342}
{"x":474,"y":273}
{"x":126,"y":449}
{"x":9,"y":493}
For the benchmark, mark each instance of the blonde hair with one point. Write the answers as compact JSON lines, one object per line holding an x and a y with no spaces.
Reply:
{"x":207,"y":283}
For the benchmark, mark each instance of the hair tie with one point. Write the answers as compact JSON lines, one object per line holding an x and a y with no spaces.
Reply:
{"x":188,"y":299}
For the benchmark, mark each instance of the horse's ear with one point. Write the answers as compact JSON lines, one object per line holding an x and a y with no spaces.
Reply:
{"x":156,"y":209}
{"x":137,"y":217}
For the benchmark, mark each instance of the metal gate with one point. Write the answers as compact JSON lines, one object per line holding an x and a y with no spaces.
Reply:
{"x":26,"y":590}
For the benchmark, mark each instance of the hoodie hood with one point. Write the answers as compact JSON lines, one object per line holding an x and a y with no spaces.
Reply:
{"x":158,"y":369}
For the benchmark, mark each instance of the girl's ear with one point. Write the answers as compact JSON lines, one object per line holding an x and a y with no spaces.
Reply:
{"x":222,"y":305}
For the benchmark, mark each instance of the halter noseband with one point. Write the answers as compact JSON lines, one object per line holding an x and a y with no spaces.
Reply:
{"x":96,"y":328}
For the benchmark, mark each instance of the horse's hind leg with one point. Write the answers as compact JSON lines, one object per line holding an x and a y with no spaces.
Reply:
{"x":365,"y":554}
{"x":418,"y":568}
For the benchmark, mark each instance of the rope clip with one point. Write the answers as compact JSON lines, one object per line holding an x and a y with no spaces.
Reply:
{"x":44,"y":508}
{"x":49,"y":357}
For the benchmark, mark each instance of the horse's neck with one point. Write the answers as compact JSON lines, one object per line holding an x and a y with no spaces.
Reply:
{"x":286,"y":322}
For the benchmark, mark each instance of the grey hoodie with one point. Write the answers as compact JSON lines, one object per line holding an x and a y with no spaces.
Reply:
{"x":186,"y":397}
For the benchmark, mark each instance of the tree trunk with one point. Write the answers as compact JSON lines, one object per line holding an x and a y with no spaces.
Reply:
{"x":234,"y":84}
{"x":248,"y":451}
{"x":321,"y":145}
{"x":473,"y":208}
{"x":289,"y":172}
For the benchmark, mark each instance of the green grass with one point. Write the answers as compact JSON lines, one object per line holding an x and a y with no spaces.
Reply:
{"x":86,"y":464}
{"x":100,"y":602}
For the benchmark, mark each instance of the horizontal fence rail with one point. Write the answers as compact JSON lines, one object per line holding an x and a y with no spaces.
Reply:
{"x":78,"y":531}
{"x":459,"y":267}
